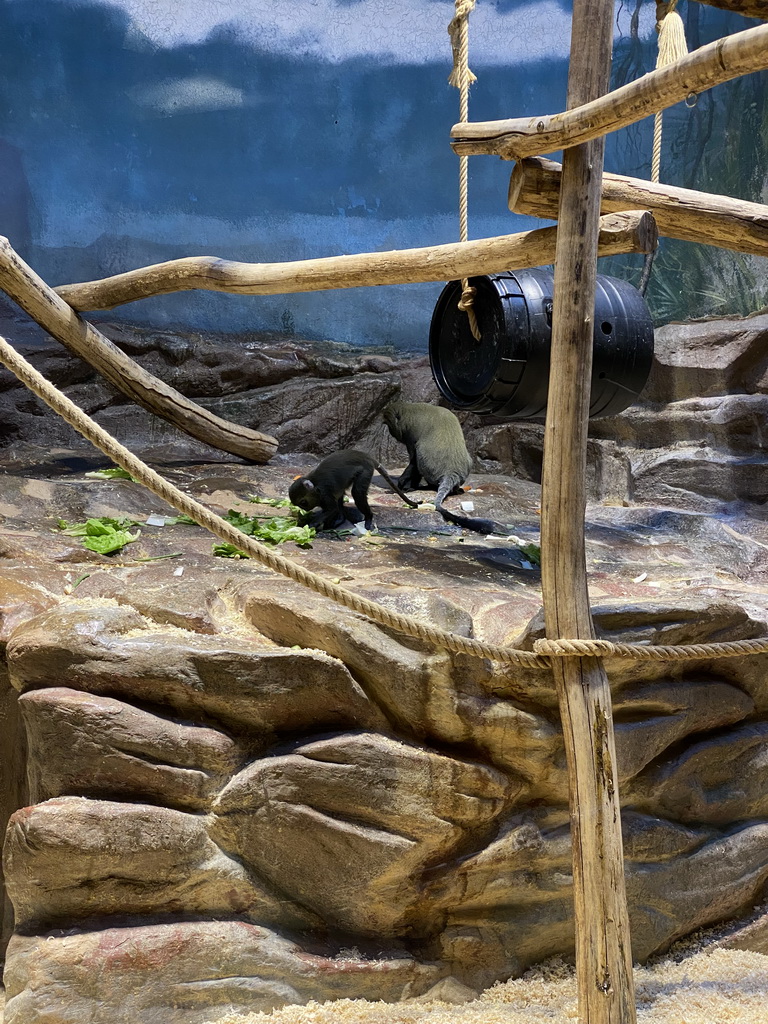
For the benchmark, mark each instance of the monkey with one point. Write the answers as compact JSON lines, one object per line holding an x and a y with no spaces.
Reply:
{"x":327,"y":483}
{"x":438,"y":453}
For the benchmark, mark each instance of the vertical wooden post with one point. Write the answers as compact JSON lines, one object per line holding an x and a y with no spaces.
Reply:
{"x":603,"y":955}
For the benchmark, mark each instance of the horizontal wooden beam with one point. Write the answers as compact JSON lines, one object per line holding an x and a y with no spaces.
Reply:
{"x":534,"y":189}
{"x":53,"y":314}
{"x":700,"y":70}
{"x":629,"y":232}
{"x":749,"y":8}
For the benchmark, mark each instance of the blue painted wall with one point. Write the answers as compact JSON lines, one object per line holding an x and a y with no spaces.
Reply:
{"x":135,"y":131}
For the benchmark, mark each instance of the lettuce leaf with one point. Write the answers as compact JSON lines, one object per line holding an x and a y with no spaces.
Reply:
{"x":103,"y":535}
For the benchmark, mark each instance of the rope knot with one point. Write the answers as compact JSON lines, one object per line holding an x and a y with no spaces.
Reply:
{"x":467,"y":305}
{"x":574,"y":648}
{"x":467,"y":299}
{"x":461,"y":74}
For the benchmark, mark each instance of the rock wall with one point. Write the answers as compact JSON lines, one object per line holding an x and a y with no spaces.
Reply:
{"x":221,"y":822}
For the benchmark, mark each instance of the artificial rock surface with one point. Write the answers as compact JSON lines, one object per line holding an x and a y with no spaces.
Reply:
{"x":239,"y":795}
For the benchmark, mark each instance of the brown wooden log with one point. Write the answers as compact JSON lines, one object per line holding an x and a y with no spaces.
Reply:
{"x":534,"y":189}
{"x":749,"y":8}
{"x":603,"y":956}
{"x":700,"y":70}
{"x":630,"y":233}
{"x":53,"y":314}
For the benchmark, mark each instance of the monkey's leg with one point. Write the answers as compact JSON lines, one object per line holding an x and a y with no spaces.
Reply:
{"x":410,"y":478}
{"x":360,"y":486}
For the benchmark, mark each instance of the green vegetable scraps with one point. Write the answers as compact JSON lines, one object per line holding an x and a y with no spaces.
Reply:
{"x":226,"y":550}
{"x":274,"y":502}
{"x":103,"y":535}
{"x":273,"y":531}
{"x":533,"y":551}
{"x":112,"y":473}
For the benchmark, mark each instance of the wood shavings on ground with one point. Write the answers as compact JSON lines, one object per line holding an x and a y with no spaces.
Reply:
{"x":719,"y":986}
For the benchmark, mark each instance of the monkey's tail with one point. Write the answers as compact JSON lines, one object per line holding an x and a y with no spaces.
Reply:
{"x":396,"y":488}
{"x":486,"y":526}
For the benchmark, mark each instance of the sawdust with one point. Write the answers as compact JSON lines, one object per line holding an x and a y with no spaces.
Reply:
{"x":710,"y":986}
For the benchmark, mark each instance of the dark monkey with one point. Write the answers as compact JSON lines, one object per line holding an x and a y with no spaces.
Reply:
{"x":328,"y":482}
{"x":438,"y":454}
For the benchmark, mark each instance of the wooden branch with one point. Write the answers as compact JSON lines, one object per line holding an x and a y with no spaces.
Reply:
{"x":749,"y":8}
{"x":534,"y":189}
{"x":631,"y":233}
{"x":34,"y":296}
{"x":603,"y":956}
{"x":710,"y":65}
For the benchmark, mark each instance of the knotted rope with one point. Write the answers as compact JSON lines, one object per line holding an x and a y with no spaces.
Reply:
{"x":672,"y":46}
{"x":543,"y":650}
{"x":461,"y":77}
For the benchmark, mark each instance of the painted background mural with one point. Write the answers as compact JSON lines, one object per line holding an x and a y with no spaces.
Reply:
{"x":135,"y":131}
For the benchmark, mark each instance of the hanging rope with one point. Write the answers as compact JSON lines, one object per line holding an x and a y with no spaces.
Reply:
{"x":461,"y":78}
{"x":672,"y":46}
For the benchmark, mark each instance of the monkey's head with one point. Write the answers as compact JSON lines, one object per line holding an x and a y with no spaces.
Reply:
{"x":393,"y":416}
{"x":303,"y":494}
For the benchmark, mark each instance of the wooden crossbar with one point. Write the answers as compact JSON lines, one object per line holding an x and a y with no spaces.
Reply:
{"x":632,"y":231}
{"x":534,"y":189}
{"x":736,"y":55}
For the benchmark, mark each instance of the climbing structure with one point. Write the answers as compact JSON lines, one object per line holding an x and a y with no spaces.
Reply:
{"x":603,"y":945}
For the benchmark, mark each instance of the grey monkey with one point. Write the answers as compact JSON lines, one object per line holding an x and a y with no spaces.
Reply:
{"x":328,"y":482}
{"x":438,"y":454}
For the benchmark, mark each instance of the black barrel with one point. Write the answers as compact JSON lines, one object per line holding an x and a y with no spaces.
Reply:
{"x":506,"y":373}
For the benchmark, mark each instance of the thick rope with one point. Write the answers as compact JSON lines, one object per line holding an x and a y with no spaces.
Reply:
{"x":461,"y":77}
{"x":204,"y":517}
{"x":672,"y":46}
{"x":543,"y":651}
{"x":648,"y":652}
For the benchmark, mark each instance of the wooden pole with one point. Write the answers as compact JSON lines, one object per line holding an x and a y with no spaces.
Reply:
{"x":603,"y":956}
{"x":626,"y":233}
{"x":53,"y":314}
{"x":534,"y":189}
{"x":710,"y":65}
